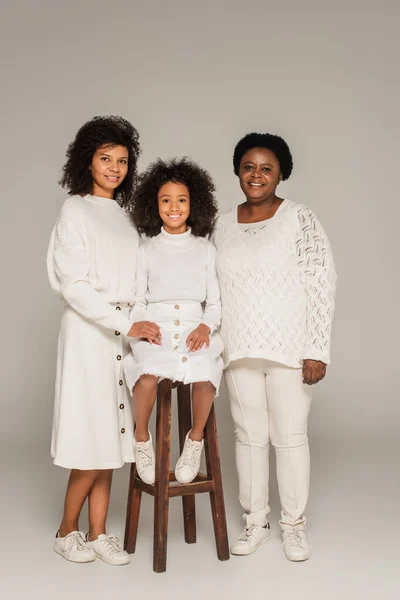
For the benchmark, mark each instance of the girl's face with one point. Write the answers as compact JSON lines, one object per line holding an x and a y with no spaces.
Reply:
{"x":259,"y":174}
{"x":174,"y":206}
{"x":109,"y":168}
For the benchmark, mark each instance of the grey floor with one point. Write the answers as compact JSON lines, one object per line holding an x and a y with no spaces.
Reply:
{"x":353,"y":533}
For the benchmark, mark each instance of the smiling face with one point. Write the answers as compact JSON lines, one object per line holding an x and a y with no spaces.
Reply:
{"x":174,"y":206}
{"x":259,"y":175}
{"x":109,"y":168}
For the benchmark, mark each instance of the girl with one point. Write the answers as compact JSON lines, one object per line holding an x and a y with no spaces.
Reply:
{"x":90,"y":256}
{"x":174,"y":205}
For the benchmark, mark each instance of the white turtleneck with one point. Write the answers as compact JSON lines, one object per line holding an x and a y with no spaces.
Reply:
{"x":177,"y":268}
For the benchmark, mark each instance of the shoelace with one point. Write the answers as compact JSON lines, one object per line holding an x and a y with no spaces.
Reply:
{"x":111,"y":544}
{"x":248,"y":532}
{"x":76,"y":541}
{"x":145,"y":456}
{"x":295,"y":537}
{"x":191,"y":452}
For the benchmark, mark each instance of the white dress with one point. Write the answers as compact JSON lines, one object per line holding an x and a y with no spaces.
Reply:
{"x":92,"y":262}
{"x":177,"y":288}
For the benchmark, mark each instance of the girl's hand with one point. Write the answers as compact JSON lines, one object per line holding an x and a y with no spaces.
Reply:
{"x":146,"y":330}
{"x":198,"y":337}
{"x":313,"y":371}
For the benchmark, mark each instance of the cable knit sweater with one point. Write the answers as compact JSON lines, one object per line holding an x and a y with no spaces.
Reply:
{"x":91,"y":260}
{"x":277,"y":280}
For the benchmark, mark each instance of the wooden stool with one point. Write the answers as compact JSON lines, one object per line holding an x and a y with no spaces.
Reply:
{"x":167,"y":487}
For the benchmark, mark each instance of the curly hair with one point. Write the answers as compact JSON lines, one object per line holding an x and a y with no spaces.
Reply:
{"x":100,"y":131}
{"x":203,"y":206}
{"x":276,"y":144}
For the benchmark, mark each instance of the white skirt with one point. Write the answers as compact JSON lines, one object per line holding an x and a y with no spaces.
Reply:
{"x":92,"y":424}
{"x":172,"y":360}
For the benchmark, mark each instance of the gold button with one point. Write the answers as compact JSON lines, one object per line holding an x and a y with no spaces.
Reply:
{"x":177,"y":322}
{"x":177,"y":307}
{"x":117,"y":308}
{"x":184,"y":358}
{"x":176,"y":336}
{"x":176,"y":347}
{"x":121,"y":382}
{"x":117,"y":333}
{"x":122,"y":406}
{"x":123,"y":430}
{"x":119,"y":357}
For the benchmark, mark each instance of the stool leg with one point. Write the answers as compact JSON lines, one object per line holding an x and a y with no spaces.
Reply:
{"x":217,"y":496}
{"x":132,"y":513}
{"x":185,"y":423}
{"x":161,"y":492}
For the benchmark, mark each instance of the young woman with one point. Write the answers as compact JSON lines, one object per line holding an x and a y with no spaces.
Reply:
{"x":177,"y":289}
{"x":277,"y":280}
{"x":91,"y":262}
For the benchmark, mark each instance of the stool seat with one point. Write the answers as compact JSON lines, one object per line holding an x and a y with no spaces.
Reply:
{"x":166,"y":486}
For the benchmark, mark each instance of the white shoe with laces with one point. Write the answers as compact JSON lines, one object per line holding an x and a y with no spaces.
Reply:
{"x":109,"y":549}
{"x":145,"y":460}
{"x":74,"y":548}
{"x":188,"y":464}
{"x":252,"y":537}
{"x":295,"y":543}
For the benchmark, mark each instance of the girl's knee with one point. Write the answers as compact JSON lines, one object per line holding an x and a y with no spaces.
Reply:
{"x":204,"y":386}
{"x":148,"y":382}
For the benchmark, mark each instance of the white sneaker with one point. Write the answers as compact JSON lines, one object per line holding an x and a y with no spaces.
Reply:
{"x":109,"y":549}
{"x":145,"y":460}
{"x":295,"y":543}
{"x":252,"y":537}
{"x":188,"y":464}
{"x":74,"y":548}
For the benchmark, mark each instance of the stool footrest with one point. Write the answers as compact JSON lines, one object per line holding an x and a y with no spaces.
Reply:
{"x":201,"y":484}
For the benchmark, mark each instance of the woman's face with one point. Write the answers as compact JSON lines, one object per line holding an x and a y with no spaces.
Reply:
{"x":109,"y":168}
{"x":174,"y":206}
{"x":259,"y":174}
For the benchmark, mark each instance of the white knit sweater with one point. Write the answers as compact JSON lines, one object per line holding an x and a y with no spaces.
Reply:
{"x":178,"y":268}
{"x":277,"y":280}
{"x":91,"y":259}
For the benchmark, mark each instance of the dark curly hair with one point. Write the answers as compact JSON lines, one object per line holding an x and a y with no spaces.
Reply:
{"x":276,"y":144}
{"x":203,"y":206}
{"x":100,"y":131}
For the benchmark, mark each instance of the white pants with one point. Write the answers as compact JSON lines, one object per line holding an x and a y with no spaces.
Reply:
{"x":270,"y":402}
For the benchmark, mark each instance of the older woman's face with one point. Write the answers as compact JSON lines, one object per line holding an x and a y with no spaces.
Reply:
{"x":259,"y":174}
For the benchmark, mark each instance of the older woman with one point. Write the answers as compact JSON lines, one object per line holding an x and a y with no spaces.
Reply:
{"x":277,"y":281}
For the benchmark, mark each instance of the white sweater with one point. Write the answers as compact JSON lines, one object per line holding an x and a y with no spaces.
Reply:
{"x":277,"y":280}
{"x":91,"y":259}
{"x":178,"y":268}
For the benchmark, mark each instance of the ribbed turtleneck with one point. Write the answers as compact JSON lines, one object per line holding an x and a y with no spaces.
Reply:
{"x":175,"y":242}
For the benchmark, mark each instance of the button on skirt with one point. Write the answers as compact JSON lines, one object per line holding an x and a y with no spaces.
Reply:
{"x":172,"y":360}
{"x":92,"y":423}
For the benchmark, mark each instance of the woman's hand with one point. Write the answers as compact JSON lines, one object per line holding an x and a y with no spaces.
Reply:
{"x":146,"y":330}
{"x":313,"y":371}
{"x":198,"y":337}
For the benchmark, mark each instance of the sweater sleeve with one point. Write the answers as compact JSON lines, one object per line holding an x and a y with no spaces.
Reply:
{"x":138,"y":312}
{"x":68,"y":261}
{"x":318,"y":275}
{"x":212,"y":310}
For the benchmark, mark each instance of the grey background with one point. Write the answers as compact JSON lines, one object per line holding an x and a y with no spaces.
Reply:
{"x":194,"y":77}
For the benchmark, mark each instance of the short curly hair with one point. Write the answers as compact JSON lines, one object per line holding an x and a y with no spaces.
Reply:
{"x":100,"y":131}
{"x":203,"y":206}
{"x":272,"y":142}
